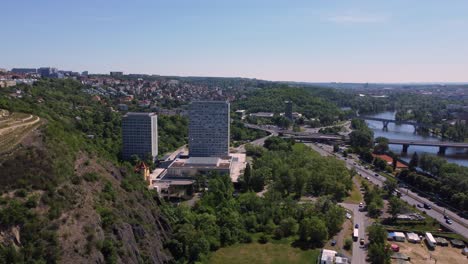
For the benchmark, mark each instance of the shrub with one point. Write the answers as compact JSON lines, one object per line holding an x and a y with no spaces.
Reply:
{"x":91,"y":177}
{"x":348,"y":244}
{"x":263,"y":239}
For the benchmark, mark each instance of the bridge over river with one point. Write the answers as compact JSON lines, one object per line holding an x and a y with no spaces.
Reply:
{"x":385,"y":122}
{"x":441,"y":144}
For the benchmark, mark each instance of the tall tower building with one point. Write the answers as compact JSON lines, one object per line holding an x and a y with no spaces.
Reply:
{"x":140,"y":135}
{"x":288,"y":110}
{"x":209,"y":131}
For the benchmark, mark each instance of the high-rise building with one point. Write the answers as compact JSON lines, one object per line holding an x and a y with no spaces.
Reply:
{"x":48,"y":72}
{"x":288,"y":110}
{"x":209,"y":129}
{"x":140,"y":135}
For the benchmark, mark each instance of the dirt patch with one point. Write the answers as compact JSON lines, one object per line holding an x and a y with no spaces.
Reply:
{"x":420,"y":254}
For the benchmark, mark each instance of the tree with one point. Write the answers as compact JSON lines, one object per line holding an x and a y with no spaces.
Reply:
{"x":367,"y":156}
{"x":246,"y":180}
{"x":390,"y":186}
{"x":288,"y":226}
{"x":336,"y":148}
{"x":313,"y":230}
{"x":379,"y":254}
{"x":395,"y":207}
{"x":382,"y":145}
{"x":380,"y":163}
{"x":414,"y":161}
{"x":394,"y":162}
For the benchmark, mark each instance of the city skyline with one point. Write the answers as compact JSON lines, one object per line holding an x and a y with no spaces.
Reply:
{"x":324,"y":41}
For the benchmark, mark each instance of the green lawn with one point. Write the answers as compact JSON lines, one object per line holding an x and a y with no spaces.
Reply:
{"x":275,"y":252}
{"x":355,"y":195}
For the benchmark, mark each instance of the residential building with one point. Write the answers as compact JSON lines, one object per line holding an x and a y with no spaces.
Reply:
{"x":140,"y":135}
{"x":209,"y":131}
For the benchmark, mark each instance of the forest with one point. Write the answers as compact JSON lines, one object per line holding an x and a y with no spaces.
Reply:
{"x":272,"y":99}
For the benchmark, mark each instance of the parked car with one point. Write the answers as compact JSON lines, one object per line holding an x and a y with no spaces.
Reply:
{"x":361,"y":241}
{"x":449,"y":221}
{"x":356,"y":226}
{"x":376,"y":175}
{"x":446,"y":217}
{"x":420,"y":206}
{"x":333,"y":243}
{"x":427,"y":206}
{"x":361,"y":205}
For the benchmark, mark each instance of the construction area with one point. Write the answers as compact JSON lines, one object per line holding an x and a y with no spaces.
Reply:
{"x":14,"y":127}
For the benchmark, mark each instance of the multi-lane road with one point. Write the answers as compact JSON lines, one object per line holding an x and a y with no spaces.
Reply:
{"x":459,"y":225}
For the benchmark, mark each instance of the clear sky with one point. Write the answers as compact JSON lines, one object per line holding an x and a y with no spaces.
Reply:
{"x":309,"y":40}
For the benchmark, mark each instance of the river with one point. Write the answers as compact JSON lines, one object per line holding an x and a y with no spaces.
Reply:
{"x":458,"y":156}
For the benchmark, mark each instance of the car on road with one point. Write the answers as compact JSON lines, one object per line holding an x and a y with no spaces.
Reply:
{"x":356,"y":226}
{"x":361,"y":241}
{"x":449,"y":221}
{"x":376,"y":175}
{"x":367,"y":178}
{"x":427,"y":206}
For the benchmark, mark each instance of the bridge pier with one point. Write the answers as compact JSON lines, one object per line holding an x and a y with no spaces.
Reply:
{"x":442,"y":150}
{"x":405,"y":148}
{"x":385,"y":125}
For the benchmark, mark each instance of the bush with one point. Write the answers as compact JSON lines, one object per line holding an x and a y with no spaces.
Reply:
{"x":21,"y":193}
{"x":76,"y":180}
{"x":91,"y":177}
{"x":348,"y":244}
{"x":263,"y":239}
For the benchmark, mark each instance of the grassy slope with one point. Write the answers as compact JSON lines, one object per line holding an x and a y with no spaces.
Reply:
{"x":272,"y":252}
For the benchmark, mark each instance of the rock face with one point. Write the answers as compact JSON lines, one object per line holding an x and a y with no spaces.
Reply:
{"x":137,"y":229}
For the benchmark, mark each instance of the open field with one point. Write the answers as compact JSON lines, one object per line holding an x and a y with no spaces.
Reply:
{"x":14,"y":127}
{"x":419,"y":254}
{"x":275,"y":252}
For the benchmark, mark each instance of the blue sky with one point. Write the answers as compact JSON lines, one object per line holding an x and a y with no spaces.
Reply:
{"x":322,"y":40}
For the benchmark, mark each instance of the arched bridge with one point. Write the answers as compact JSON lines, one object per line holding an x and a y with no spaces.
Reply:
{"x":385,"y":122}
{"x":441,"y":144}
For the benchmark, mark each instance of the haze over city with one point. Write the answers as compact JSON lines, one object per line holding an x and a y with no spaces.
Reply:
{"x":313,"y":41}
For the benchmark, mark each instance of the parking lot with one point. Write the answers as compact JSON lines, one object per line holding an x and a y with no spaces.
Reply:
{"x":419,"y":253}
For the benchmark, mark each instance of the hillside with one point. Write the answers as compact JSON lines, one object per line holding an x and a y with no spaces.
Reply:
{"x":65,"y":197}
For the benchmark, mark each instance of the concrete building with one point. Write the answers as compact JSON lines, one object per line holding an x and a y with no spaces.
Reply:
{"x":24,"y":70}
{"x":140,"y":135}
{"x":209,"y":131}
{"x":116,"y":73}
{"x":193,"y":166}
{"x":288,"y":113}
{"x":48,"y":72}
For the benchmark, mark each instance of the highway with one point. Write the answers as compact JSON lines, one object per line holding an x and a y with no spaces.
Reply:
{"x":459,"y":225}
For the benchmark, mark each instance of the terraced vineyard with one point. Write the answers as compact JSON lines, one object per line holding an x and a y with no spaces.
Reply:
{"x":14,"y":127}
